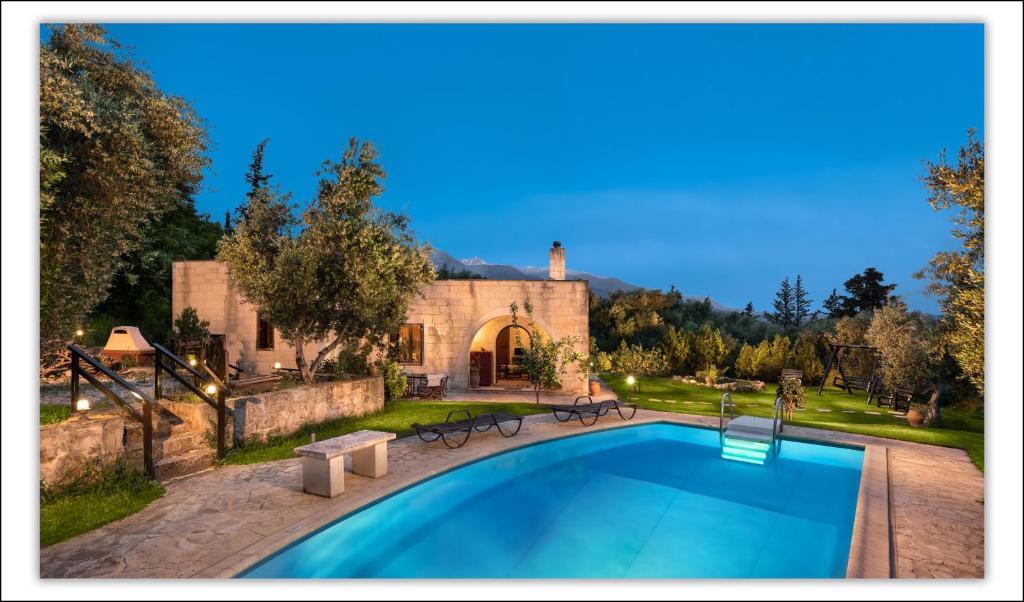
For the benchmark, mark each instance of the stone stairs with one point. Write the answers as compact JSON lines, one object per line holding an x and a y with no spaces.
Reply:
{"x":179,"y":448}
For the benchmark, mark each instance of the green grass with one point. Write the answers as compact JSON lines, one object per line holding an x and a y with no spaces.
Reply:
{"x":92,"y":500}
{"x":395,"y":418}
{"x":53,"y":413}
{"x":959,"y":428}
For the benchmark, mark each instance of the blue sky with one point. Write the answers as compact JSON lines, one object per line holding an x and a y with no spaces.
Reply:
{"x":719,"y":158}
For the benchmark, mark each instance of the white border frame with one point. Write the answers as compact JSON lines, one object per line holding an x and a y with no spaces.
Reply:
{"x":20,"y":40}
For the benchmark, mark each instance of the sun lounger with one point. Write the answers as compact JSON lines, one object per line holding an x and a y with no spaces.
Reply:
{"x":592,"y":410}
{"x":454,"y":434}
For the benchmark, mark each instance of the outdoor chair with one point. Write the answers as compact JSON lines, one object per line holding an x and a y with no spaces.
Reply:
{"x":415,"y":385}
{"x":436,"y":386}
{"x":454,"y":434}
{"x":899,"y":398}
{"x":592,"y":410}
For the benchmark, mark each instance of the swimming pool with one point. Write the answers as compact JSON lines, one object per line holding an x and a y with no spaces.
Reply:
{"x":645,"y":501}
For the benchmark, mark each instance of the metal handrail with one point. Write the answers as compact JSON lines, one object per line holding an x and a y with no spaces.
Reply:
{"x":146,"y":418}
{"x":777,"y":421}
{"x":721,"y":414}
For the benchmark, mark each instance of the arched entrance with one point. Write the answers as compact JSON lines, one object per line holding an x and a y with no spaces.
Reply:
{"x":508,"y":352}
{"x":493,"y":348}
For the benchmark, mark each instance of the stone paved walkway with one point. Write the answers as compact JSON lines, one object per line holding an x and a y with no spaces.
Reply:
{"x":217,"y":523}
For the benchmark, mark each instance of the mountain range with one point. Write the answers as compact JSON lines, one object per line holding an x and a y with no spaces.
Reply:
{"x":599,"y":285}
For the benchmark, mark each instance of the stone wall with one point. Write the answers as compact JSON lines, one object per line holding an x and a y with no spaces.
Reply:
{"x":283,"y":412}
{"x":205,"y":286}
{"x":83,"y":439}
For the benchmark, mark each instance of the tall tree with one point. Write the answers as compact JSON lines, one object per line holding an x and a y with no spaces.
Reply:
{"x":833,"y":304}
{"x":748,"y":310}
{"x":958,"y":276}
{"x":116,"y":154}
{"x":801,"y":303}
{"x":784,"y":305}
{"x":866,"y":291}
{"x":343,"y":277}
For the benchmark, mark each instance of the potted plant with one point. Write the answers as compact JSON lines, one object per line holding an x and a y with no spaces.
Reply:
{"x":916,"y":414}
{"x":474,"y":373}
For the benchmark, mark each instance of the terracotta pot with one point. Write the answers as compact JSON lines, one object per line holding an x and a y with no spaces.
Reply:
{"x":595,"y":387}
{"x":915,"y":417}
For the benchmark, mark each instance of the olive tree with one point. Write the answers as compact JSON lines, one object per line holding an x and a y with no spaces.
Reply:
{"x":342,"y":275}
{"x":115,"y":154}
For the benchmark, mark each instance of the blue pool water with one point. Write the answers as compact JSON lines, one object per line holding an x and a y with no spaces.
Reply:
{"x":648,"y":501}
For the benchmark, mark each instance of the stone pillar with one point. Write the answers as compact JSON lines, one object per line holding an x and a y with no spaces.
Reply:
{"x":556,"y":265}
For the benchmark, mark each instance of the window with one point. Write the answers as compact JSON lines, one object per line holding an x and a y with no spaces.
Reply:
{"x":410,"y":344}
{"x":264,"y":334}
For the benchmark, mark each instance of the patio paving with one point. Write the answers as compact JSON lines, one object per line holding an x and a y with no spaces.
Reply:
{"x":217,"y":523}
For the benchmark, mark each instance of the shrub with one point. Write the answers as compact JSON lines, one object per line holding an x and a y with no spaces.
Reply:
{"x":394,"y":380}
{"x":792,"y":395}
{"x":189,"y":326}
{"x":805,"y":357}
{"x":602,"y":362}
{"x":677,"y":347}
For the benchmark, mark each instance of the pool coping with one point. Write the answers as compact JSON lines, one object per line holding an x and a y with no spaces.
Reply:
{"x":870,"y":552}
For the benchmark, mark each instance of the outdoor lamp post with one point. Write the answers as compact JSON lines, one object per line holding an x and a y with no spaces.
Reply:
{"x":634,"y":386}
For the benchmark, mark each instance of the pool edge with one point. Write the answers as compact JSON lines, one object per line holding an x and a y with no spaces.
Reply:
{"x":240,"y":562}
{"x":870,"y":544}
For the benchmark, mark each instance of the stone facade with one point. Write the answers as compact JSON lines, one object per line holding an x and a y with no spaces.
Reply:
{"x":460,"y":316}
{"x":204,"y":285}
{"x":283,"y":412}
{"x":83,"y":439}
{"x":457,"y":316}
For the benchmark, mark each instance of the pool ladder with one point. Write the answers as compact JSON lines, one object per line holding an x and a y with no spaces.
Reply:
{"x":749,"y":438}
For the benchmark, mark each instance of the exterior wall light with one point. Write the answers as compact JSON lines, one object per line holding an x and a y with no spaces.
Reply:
{"x":81,"y":405}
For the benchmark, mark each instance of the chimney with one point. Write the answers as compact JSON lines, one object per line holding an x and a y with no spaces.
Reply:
{"x":556,"y":265}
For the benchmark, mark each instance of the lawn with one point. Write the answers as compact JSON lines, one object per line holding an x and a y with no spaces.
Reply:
{"x":959,"y":428}
{"x":397,"y":417}
{"x":94,"y":500}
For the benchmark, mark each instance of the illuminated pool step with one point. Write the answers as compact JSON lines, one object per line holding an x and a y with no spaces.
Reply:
{"x":747,"y":439}
{"x":744,"y":451}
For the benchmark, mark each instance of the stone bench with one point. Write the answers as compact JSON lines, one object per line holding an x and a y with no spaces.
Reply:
{"x":323,"y":462}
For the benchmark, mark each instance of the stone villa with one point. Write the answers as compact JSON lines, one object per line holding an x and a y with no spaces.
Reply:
{"x":447,"y":322}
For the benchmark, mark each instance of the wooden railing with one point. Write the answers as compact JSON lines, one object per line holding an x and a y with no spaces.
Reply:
{"x":79,"y":355}
{"x":205,"y":385}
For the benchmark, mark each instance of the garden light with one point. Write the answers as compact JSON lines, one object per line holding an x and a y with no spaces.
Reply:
{"x":192,"y":361}
{"x":79,"y":332}
{"x":630,"y":380}
{"x":277,"y":365}
{"x":211,"y":389}
{"x":82,"y":405}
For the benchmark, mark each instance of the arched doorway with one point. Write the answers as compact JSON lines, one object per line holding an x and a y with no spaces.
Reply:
{"x":495,"y":364}
{"x":508,"y":351}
